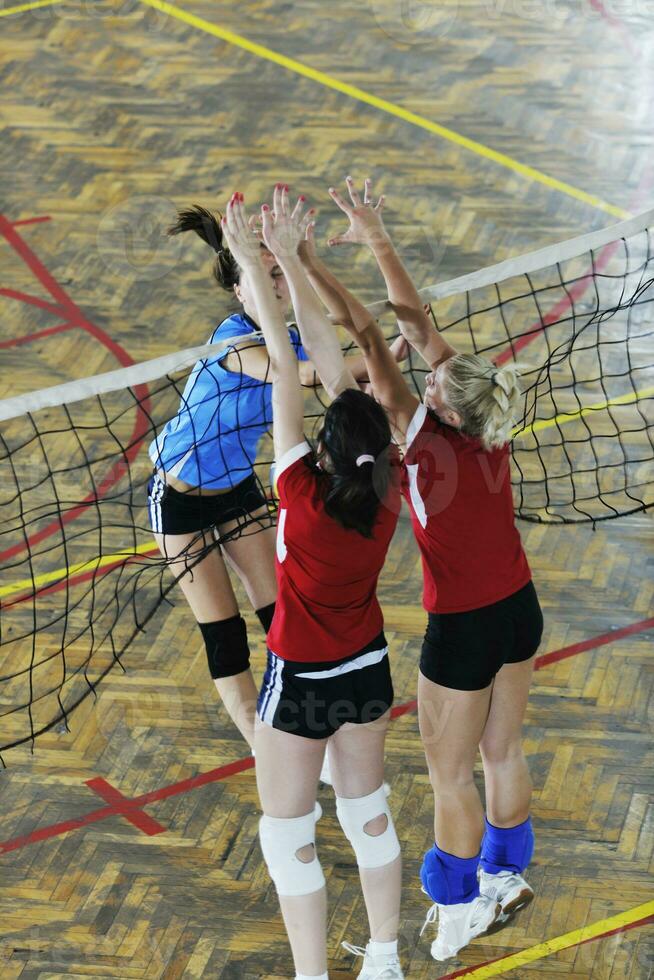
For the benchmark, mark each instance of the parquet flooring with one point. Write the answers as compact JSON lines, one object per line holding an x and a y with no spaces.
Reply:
{"x":111,"y":114}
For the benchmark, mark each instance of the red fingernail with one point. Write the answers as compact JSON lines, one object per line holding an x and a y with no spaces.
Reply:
{"x":278,"y":187}
{"x":265,"y":207}
{"x":302,"y":197}
{"x":286,"y":187}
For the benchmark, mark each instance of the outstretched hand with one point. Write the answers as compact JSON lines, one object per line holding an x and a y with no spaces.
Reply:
{"x":366,"y":224}
{"x":282,"y":229}
{"x":244,"y":246}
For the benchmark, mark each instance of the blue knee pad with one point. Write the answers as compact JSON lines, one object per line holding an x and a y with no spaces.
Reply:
{"x":447,"y":879}
{"x":507,"y":848}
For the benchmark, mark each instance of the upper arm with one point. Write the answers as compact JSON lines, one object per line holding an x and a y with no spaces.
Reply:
{"x":292,"y":475}
{"x":288,"y":409}
{"x":386,"y":377}
{"x":249,"y":358}
{"x":424,"y":337}
{"x":252,"y":359}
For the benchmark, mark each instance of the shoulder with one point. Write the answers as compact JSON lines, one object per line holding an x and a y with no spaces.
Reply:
{"x":423,"y":422}
{"x":235,"y":325}
{"x":295,"y":472}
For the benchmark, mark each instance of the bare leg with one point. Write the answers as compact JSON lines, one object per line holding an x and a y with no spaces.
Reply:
{"x":451,"y":725}
{"x":287,"y":771}
{"x":357,"y":761}
{"x":508,"y":783}
{"x":252,"y":556}
{"x":210,"y":595}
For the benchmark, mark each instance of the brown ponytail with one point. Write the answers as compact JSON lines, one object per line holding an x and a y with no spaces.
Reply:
{"x":205,"y":224}
{"x":356,"y":425}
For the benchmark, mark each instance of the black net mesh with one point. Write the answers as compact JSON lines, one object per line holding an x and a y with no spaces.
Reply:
{"x":81,"y":574}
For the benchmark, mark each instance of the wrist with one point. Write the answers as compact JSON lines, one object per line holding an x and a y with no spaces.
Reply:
{"x":252,"y":262}
{"x":289,"y":263}
{"x":380,"y":243}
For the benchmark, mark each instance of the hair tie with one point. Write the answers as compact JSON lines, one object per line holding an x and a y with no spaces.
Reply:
{"x":365,"y":458}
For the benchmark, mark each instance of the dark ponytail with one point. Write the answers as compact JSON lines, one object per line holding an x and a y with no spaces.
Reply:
{"x":355,"y":425}
{"x":207,"y":226}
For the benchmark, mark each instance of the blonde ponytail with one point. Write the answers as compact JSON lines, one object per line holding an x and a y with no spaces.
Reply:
{"x":487,"y":398}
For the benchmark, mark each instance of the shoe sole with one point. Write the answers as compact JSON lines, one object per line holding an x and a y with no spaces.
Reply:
{"x":521,"y":901}
{"x":484,"y":932}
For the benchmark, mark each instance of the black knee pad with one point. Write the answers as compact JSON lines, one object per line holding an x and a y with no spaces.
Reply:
{"x":226,"y":641}
{"x":265,"y":615}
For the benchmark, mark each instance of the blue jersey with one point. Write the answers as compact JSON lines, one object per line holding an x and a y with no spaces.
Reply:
{"x":212,"y":441}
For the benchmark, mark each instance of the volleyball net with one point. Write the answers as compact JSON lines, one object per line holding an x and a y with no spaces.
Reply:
{"x":82,"y":577}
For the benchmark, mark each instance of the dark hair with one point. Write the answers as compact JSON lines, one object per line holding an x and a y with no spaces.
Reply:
{"x":226,"y":270}
{"x":355,"y":425}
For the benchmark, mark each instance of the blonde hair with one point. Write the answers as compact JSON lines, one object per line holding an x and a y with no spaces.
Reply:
{"x":487,"y":398}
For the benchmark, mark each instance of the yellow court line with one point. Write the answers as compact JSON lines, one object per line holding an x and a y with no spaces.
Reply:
{"x":390,"y":107}
{"x":92,"y":564}
{"x":574,"y":938}
{"x":28,"y":6}
{"x":634,"y":396}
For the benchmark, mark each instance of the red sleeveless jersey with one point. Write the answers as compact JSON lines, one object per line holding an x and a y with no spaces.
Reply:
{"x":461,"y":507}
{"x":327,"y":575}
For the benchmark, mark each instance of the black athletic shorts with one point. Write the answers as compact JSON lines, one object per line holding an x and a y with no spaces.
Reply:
{"x":174,"y":512}
{"x":315,"y":699}
{"x":464,"y":651}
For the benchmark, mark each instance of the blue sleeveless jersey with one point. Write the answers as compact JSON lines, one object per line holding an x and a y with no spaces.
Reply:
{"x":212,"y":441}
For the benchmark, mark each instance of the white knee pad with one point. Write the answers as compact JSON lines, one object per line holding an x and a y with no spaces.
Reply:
{"x":371,"y":851}
{"x":281,"y":839}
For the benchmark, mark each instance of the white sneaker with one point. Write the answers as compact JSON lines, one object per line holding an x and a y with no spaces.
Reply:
{"x":508,"y":888}
{"x":460,"y":924}
{"x":382,"y":967}
{"x":326,"y":775}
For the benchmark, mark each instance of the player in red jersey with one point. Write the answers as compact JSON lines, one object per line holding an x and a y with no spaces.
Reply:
{"x":328,"y":675}
{"x":485,"y":622}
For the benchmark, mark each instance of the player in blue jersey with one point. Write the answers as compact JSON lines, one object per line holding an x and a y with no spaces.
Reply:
{"x":204,"y":483}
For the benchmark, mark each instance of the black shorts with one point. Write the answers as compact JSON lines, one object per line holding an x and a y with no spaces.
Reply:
{"x":464,"y":651}
{"x":315,"y":699}
{"x":174,"y":512}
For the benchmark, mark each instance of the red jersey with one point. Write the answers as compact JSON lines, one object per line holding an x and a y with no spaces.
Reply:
{"x":327,"y":606}
{"x":461,"y":507}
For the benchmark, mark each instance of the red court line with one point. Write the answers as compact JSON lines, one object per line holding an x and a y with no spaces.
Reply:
{"x":31,"y":221}
{"x":29,"y":337}
{"x":575,"y":292}
{"x":125,"y":807}
{"x":232,"y":768}
{"x":466,"y":971}
{"x":76,"y":579}
{"x":75,"y":317}
{"x":597,"y":641}
{"x":556,"y":313}
{"x":55,"y":830}
{"x":42,"y":304}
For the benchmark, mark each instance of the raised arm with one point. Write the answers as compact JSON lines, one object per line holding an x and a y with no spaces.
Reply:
{"x":367,"y":228}
{"x":282,"y":236}
{"x":288,"y":402}
{"x":387,"y":380}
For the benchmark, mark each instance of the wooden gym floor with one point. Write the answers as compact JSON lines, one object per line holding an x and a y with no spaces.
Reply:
{"x":494,"y":128}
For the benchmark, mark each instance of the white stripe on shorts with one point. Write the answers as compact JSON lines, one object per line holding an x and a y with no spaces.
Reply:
{"x":275,"y":693}
{"x":158,"y":488}
{"x":365,"y":660}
